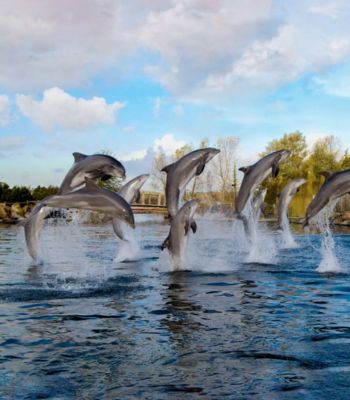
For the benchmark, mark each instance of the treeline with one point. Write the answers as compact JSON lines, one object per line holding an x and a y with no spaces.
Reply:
{"x":22,"y":194}
{"x":325,"y":155}
{"x":221,"y":179}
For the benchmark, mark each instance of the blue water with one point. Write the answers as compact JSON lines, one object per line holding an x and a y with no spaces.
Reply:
{"x":85,"y":326}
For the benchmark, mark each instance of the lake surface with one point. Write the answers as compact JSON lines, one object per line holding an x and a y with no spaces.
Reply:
{"x":241,"y":323}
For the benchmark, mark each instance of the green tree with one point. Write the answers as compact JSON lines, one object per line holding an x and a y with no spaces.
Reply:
{"x":344,"y":162}
{"x":40,"y":192}
{"x":4,"y":191}
{"x":19,"y":194}
{"x":113,"y":184}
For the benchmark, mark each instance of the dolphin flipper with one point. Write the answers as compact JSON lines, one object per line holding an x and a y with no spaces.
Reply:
{"x":166,"y":243}
{"x":200,"y":168}
{"x":137,"y":197}
{"x":275,"y":169}
{"x":194,"y":226}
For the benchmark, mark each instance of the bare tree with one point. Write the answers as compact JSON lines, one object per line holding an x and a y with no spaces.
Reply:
{"x":223,"y":165}
{"x":159,"y":162}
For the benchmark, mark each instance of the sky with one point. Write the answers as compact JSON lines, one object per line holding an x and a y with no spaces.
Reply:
{"x":136,"y":76}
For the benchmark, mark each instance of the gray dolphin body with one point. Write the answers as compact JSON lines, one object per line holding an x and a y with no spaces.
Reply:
{"x":255,"y":174}
{"x":181,"y":172}
{"x":130,"y":192}
{"x":93,"y":167}
{"x":94,"y":198}
{"x":32,"y":227}
{"x":285,"y":198}
{"x":90,"y":197}
{"x":336,"y":185}
{"x":177,"y":240}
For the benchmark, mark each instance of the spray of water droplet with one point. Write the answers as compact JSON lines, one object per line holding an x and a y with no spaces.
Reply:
{"x":287,"y":238}
{"x":261,"y":241}
{"x":329,"y":261}
{"x":128,"y":249}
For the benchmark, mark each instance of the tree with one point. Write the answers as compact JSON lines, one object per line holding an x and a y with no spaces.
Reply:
{"x":344,"y":162}
{"x":4,"y":191}
{"x":19,"y":194}
{"x":113,"y":184}
{"x":40,"y":192}
{"x":223,"y":165}
{"x":324,"y":155}
{"x":159,"y":162}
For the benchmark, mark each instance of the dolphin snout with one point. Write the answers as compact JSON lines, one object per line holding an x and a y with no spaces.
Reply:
{"x":212,"y":153}
{"x":285,"y":154}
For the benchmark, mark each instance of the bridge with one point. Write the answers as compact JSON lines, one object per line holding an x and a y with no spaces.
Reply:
{"x":150,"y":203}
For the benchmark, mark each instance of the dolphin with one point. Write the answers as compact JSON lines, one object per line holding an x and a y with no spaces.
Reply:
{"x":93,"y":167}
{"x":285,"y":197}
{"x":176,"y":242}
{"x":131,"y":193}
{"x":337,"y":184}
{"x":91,"y":197}
{"x":32,"y":226}
{"x":255,"y":174}
{"x":258,"y":203}
{"x":181,"y":172}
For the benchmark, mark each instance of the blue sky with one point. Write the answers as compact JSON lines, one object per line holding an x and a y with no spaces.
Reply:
{"x":135,"y":76}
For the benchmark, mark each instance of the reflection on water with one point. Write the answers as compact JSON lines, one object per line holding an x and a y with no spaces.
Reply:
{"x":85,"y":326}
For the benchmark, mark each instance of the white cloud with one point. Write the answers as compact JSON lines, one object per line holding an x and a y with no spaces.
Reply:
{"x":134,"y":155}
{"x":329,"y":9}
{"x":168,"y":144}
{"x":128,"y":129}
{"x":202,"y":47}
{"x":11,"y":142}
{"x":60,"y":109}
{"x":60,"y":43}
{"x":4,"y":110}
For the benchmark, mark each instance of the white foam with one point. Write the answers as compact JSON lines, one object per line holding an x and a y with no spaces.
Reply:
{"x":329,"y":261}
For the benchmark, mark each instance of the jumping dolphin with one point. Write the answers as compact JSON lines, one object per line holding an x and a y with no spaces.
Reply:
{"x":181,"y":172}
{"x":176,"y":242}
{"x":258,"y":203}
{"x":32,"y":226}
{"x":130,"y":192}
{"x":285,"y":198}
{"x":93,"y":167}
{"x":91,"y":197}
{"x":336,"y":185}
{"x":255,"y":174}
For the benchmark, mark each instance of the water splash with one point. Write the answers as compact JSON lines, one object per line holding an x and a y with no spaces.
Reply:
{"x":261,"y":241}
{"x":129,"y":248}
{"x":287,"y":238}
{"x":329,"y":261}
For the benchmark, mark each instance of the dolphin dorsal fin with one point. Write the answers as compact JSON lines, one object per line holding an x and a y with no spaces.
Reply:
{"x":79,"y":156}
{"x":89,"y":183}
{"x":326,"y":174}
{"x":167,"y":168}
{"x":244,"y":169}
